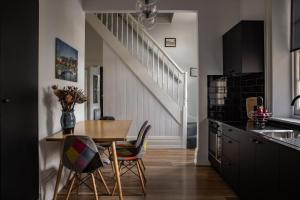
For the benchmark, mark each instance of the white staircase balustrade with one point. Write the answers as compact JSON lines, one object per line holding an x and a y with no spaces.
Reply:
{"x":160,"y":67}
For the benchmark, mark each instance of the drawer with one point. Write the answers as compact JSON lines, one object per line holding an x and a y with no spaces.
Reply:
{"x":230,"y":148}
{"x":231,"y":132}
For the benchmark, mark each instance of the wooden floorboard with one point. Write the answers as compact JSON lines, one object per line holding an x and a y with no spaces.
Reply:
{"x":171,"y":175}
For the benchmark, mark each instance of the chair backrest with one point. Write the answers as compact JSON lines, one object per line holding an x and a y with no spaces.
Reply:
{"x":107,"y":118}
{"x":80,"y":154}
{"x":142,"y":147}
{"x":140,"y":135}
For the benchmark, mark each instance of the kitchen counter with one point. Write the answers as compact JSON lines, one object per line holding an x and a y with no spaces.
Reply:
{"x":255,"y":164}
{"x":271,"y":126}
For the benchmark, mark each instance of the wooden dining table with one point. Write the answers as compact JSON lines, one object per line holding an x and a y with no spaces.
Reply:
{"x":100,"y":131}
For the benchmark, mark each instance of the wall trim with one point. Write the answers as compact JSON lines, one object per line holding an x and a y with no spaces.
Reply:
{"x":268,"y":55}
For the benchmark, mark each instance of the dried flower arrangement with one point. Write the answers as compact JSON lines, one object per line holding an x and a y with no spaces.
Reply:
{"x":69,"y":96}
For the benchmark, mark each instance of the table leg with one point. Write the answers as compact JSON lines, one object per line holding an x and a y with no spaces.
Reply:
{"x":117,"y":171}
{"x":60,"y":168}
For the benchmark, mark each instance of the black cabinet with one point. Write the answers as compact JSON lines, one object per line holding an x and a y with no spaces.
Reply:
{"x":250,"y":164}
{"x":230,"y":161}
{"x":247,"y":166}
{"x":19,"y":170}
{"x":231,"y":132}
{"x":289,"y":173}
{"x":266,"y":169}
{"x":258,"y":167}
{"x":243,"y":48}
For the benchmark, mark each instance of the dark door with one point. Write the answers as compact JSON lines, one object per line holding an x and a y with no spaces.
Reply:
{"x":266,"y":169}
{"x":232,"y":50}
{"x":230,"y":161}
{"x":19,"y":100}
{"x":227,"y":49}
{"x":236,"y":53}
{"x":247,"y":165}
{"x":289,"y":173}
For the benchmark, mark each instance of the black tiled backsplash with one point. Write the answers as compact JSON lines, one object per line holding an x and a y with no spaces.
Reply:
{"x":227,"y":95}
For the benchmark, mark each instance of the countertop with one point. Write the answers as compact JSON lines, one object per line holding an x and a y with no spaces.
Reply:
{"x":272,"y":125}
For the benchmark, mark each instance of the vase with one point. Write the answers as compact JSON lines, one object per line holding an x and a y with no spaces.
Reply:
{"x":67,"y":121}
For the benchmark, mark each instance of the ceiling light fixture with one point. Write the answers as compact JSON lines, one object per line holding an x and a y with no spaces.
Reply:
{"x":147,"y":11}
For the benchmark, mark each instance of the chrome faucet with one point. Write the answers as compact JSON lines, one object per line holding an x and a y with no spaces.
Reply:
{"x":294,"y":100}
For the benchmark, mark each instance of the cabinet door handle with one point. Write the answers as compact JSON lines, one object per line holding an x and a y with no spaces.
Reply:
{"x":229,"y":141}
{"x":6,"y":100}
{"x":258,"y":142}
{"x":253,"y":140}
{"x":230,"y":130}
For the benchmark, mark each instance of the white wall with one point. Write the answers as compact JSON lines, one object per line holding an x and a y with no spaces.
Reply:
{"x":184,"y":28}
{"x":93,"y":61}
{"x":125,"y":97}
{"x":93,"y":47}
{"x":252,"y":9}
{"x":281,"y":58}
{"x":64,"y":19}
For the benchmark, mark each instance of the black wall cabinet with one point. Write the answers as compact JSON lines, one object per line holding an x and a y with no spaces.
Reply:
{"x":19,"y":100}
{"x":243,"y":48}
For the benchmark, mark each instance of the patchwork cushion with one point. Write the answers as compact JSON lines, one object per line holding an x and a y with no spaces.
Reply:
{"x":127,"y":151}
{"x":126,"y":154}
{"x":126,"y":144}
{"x":80,"y":154}
{"x":128,"y":158}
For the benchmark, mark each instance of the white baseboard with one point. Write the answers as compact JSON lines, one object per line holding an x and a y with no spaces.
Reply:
{"x":160,"y":142}
{"x":199,"y":161}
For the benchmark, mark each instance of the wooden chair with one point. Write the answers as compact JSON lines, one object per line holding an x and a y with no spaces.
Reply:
{"x":130,"y":157}
{"x":135,"y":143}
{"x":80,"y":155}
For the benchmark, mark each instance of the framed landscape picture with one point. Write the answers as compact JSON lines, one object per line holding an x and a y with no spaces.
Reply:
{"x":193,"y":72}
{"x":66,"y":61}
{"x":170,"y":42}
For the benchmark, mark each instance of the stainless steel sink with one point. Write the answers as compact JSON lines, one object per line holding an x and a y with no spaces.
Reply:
{"x":280,"y":134}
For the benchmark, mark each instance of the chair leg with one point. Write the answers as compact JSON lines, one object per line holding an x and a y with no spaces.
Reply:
{"x":69,"y":177}
{"x":112,"y":166}
{"x":94,"y":185}
{"x":141,"y":178}
{"x":103,"y":181}
{"x":78,"y":186}
{"x":115,"y":186}
{"x":142,"y":162}
{"x":143,"y":173}
{"x":71,"y":186}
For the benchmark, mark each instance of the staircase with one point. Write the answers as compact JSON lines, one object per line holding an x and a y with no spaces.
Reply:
{"x":147,"y":60}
